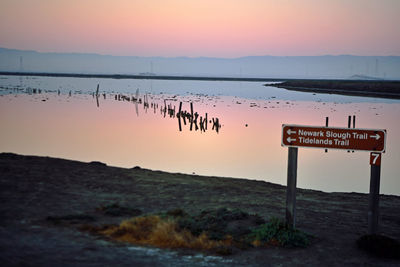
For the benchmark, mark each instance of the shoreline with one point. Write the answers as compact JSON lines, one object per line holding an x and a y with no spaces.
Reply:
{"x":379,"y":89}
{"x":140,"y":77}
{"x":34,"y":188}
{"x":389,"y":89}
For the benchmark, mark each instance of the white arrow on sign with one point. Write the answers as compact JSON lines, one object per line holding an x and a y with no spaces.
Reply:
{"x":290,"y":139}
{"x":377,"y":136}
{"x":289,"y":132}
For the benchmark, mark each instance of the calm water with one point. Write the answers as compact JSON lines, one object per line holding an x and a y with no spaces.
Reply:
{"x":65,"y":120}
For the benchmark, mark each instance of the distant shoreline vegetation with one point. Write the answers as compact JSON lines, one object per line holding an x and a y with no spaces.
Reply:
{"x":141,"y":76}
{"x":367,"y":88}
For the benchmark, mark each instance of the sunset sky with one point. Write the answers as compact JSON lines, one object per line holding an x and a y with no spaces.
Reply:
{"x":214,"y":28}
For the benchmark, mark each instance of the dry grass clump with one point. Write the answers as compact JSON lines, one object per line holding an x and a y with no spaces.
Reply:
{"x":219,"y":231}
{"x":164,"y":233}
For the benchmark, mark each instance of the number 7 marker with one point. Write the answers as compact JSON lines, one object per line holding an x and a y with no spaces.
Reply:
{"x":375,"y":158}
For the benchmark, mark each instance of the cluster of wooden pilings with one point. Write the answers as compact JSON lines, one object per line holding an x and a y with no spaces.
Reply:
{"x":121,"y":97}
{"x":192,"y":119}
{"x":33,"y":91}
{"x":196,"y":121}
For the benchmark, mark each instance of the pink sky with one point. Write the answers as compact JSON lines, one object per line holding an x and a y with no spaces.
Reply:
{"x":217,"y":28}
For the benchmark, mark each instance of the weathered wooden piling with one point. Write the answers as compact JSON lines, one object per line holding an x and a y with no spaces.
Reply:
{"x":326,"y":125}
{"x":191,"y":115}
{"x":349,"y":126}
{"x":180,"y":124}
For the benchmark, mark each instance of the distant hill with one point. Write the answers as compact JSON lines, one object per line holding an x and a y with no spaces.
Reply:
{"x":304,"y":67}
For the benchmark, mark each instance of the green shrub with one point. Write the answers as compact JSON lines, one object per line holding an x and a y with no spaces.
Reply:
{"x":220,"y":223}
{"x":276,"y":232}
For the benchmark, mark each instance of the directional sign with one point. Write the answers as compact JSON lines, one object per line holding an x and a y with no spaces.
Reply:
{"x":333,"y":138}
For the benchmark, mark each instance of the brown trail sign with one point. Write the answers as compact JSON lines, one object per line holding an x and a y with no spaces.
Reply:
{"x":333,"y":138}
{"x":294,"y":136}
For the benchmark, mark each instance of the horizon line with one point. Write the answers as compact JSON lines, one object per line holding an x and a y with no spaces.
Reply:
{"x":192,"y":57}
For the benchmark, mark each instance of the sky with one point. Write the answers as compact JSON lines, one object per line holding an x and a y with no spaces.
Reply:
{"x":209,"y":28}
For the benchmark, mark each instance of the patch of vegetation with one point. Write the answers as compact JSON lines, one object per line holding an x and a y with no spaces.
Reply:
{"x":155,"y":231}
{"x":219,"y":231}
{"x":116,"y":210}
{"x":380,"y":246}
{"x":277,"y":233}
{"x":71,"y":219}
{"x":220,"y":223}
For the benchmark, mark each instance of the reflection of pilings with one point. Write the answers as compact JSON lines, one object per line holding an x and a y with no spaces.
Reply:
{"x":194,"y":118}
{"x":180,"y":124}
{"x":216,"y":126}
{"x":195,"y":121}
{"x":191,"y":115}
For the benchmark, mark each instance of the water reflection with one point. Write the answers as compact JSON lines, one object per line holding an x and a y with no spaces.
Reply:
{"x":192,"y":119}
{"x":76,"y":122}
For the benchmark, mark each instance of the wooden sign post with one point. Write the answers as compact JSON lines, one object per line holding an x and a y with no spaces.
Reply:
{"x":373,"y":199}
{"x":294,"y":136}
{"x":291,"y":187}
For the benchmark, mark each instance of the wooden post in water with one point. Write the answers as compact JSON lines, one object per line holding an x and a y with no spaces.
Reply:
{"x":349,"y":126}
{"x":373,"y":199}
{"x":349,"y":122}
{"x":180,"y":124}
{"x":191,"y":115}
{"x":354,"y":125}
{"x":326,"y":124}
{"x":291,"y":187}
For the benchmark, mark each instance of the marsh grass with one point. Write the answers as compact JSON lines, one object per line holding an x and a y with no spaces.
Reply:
{"x":219,"y":231}
{"x":164,"y":233}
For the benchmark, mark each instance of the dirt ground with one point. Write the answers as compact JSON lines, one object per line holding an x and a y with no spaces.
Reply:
{"x":34,"y":188}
